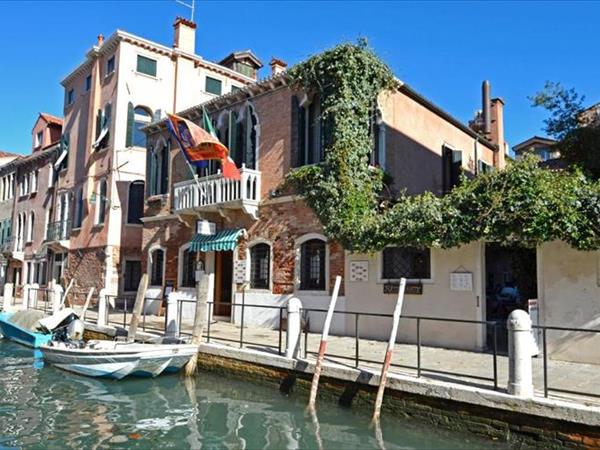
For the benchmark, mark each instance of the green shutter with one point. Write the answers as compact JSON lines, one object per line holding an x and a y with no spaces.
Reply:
{"x":146,"y":65}
{"x":152,"y":170}
{"x":107,"y":115}
{"x":98,"y":123}
{"x":130,"y":125}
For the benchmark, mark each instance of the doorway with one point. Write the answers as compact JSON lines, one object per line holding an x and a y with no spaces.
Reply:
{"x":511,"y":280}
{"x":223,"y":283}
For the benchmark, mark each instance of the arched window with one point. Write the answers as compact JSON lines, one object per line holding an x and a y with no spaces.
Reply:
{"x":157,"y":260}
{"x":30,"y":227}
{"x":312,"y":132}
{"x":260,"y":256}
{"x":135,"y":202}
{"x":312,"y":265}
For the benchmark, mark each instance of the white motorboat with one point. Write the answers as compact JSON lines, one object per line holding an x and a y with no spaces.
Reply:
{"x":114,"y":359}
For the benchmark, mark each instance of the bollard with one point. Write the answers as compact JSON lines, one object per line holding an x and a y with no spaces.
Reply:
{"x":101,"y":308}
{"x":33,"y":295}
{"x":25,"y":304}
{"x":292,"y":337}
{"x":172,"y":318}
{"x":8,"y":297}
{"x":520,"y":382}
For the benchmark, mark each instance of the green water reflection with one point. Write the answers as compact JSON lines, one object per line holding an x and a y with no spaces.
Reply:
{"x":48,"y":408}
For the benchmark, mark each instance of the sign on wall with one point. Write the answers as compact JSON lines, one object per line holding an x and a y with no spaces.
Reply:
{"x":240,"y":272}
{"x":461,"y":281}
{"x":359,"y":271}
{"x":410,"y":289}
{"x":205,"y":227}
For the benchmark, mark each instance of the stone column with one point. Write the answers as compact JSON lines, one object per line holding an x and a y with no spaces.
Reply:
{"x":172,"y":319}
{"x":57,"y":293}
{"x":7,"y":299}
{"x":101,"y":308}
{"x":292,"y":337}
{"x":520,"y":346}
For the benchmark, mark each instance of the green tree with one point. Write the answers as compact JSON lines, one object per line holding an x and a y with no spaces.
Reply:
{"x":564,"y":106}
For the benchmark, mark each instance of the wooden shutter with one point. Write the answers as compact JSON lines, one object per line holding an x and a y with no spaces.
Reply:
{"x":130,"y":125}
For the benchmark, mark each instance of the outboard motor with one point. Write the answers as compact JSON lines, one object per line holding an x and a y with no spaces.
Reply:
{"x":75,"y":330}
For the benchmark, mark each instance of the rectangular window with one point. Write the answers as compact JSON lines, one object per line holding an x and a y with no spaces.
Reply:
{"x":156,"y":275}
{"x":101,"y":202}
{"x":132,"y":276}
{"x":34,"y":180}
{"x":70,"y":96}
{"x":188,"y":266}
{"x":146,"y":66}
{"x":312,"y":265}
{"x":88,"y":83}
{"x":482,"y":167}
{"x":235,"y":88}
{"x":78,"y":216}
{"x":39,"y":139}
{"x":110,"y":65}
{"x":213,"y":86}
{"x":405,"y":262}
{"x":451,"y":168}
{"x":135,"y":202}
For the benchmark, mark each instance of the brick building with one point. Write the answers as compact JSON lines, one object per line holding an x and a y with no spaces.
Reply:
{"x":271,"y":129}
{"x":124,"y":83}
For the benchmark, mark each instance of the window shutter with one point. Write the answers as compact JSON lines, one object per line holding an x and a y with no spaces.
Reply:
{"x":151,"y":168}
{"x":301,"y":130}
{"x":164,"y":169}
{"x":107,"y":115}
{"x":130,"y":125}
{"x":98,"y":123}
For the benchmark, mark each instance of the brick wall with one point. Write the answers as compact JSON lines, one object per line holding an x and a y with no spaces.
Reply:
{"x":87,"y":267}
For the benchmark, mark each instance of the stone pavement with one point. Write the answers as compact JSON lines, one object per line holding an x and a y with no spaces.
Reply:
{"x":456,"y":366}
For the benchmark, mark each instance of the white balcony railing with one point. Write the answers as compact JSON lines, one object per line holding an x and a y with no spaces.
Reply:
{"x":215,"y":191}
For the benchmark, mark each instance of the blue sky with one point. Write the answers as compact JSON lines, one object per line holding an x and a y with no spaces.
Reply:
{"x":443,"y":50}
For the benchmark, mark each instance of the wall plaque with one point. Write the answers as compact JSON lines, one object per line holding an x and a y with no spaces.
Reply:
{"x":410,"y":289}
{"x":461,"y":281}
{"x":359,"y":271}
{"x":239,"y":271}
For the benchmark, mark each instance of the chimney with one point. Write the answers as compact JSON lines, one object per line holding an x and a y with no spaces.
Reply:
{"x":100,"y":40}
{"x":497,"y":131}
{"x":277,"y":66}
{"x":485,"y":107}
{"x":185,"y":35}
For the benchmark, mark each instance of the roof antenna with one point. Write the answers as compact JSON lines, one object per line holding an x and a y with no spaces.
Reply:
{"x":191,"y":5}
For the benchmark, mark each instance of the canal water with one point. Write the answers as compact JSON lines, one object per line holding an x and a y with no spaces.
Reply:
{"x":42,"y":407}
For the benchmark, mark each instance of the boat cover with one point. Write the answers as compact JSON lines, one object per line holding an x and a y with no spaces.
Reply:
{"x":53,"y":321}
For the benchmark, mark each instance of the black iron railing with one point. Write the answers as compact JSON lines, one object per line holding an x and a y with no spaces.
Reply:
{"x":58,"y":231}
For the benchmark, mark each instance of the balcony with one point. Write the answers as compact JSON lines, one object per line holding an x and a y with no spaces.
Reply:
{"x":59,"y":232}
{"x":6,"y":247}
{"x":216,"y":194}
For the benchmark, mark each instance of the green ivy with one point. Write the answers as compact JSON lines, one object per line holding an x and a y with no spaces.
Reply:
{"x":522,"y":205}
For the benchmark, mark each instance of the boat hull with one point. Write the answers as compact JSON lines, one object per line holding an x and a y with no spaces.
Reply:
{"x":143,"y":360}
{"x":18,"y":334}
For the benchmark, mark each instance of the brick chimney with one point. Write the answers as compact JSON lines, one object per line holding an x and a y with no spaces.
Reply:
{"x":497,"y":131}
{"x":277,"y":66}
{"x":185,"y":35}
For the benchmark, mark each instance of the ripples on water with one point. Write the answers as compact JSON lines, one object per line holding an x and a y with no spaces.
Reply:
{"x":48,"y":408}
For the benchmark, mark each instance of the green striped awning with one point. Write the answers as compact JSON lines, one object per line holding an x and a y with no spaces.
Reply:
{"x":220,"y":242}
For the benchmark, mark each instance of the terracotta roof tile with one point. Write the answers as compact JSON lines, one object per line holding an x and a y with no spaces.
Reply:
{"x":51,"y":119}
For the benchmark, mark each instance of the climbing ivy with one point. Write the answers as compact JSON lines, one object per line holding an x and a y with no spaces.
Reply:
{"x":522,"y":204}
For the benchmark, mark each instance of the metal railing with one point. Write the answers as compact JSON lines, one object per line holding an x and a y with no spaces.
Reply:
{"x":216,"y":189}
{"x":58,"y":231}
{"x":41,"y":301}
{"x":123,"y":305}
{"x":544,"y":350}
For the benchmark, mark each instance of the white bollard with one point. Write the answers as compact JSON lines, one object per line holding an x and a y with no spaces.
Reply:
{"x":102,"y":307}
{"x":520,"y":382}
{"x":25,"y":303}
{"x":292,"y":339}
{"x":57,"y":294}
{"x":172,"y":322}
{"x":8,"y":297}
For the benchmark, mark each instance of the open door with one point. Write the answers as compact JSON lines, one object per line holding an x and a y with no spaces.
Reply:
{"x":223,"y":283}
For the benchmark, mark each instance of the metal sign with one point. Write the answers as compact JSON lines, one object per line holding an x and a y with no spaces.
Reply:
{"x":359,"y":271}
{"x":411,"y":288}
{"x":240,"y":272}
{"x":461,"y":281}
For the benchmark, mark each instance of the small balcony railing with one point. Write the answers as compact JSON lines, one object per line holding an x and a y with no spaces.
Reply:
{"x":58,"y":231}
{"x":215,"y":190}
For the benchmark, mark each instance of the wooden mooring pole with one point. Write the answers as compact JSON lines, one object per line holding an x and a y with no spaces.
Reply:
{"x":202,"y":288}
{"x":137,"y":308}
{"x":87,"y":302}
{"x":390,"y":349}
{"x":323,"y":346}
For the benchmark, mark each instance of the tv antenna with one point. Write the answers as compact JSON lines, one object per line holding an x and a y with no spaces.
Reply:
{"x":190,"y":5}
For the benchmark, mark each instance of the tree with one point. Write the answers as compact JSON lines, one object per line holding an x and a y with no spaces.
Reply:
{"x":564,"y":106}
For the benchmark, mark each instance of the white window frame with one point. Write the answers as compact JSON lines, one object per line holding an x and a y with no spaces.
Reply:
{"x":297,"y":264}
{"x":39,"y":138}
{"x":34,"y":181}
{"x":150,"y":263}
{"x":249,"y":265}
{"x":107,"y":72}
{"x":430,"y":280}
{"x":30,"y":225}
